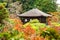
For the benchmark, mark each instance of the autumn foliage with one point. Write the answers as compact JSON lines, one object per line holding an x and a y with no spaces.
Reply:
{"x":18,"y":25}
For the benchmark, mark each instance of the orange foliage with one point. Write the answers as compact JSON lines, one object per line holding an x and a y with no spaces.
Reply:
{"x":18,"y":21}
{"x":28,"y":30}
{"x":44,"y":29}
{"x":18,"y":25}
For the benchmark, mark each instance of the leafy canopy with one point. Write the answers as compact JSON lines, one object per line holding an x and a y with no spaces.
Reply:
{"x":3,"y":12}
{"x":44,"y":5}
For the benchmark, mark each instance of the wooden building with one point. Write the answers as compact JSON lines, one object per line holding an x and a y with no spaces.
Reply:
{"x":34,"y":14}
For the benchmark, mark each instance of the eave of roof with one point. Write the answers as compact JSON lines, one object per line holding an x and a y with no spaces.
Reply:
{"x":34,"y":13}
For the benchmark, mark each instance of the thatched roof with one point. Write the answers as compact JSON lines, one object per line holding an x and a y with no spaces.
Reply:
{"x":34,"y":13}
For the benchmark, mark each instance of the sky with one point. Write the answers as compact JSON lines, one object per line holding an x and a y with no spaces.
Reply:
{"x":58,"y":1}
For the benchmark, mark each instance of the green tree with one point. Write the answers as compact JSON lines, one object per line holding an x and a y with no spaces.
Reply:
{"x":3,"y":12}
{"x":44,"y":5}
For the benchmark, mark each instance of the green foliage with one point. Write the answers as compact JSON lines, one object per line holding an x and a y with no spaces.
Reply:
{"x":5,"y":35}
{"x":35,"y":24}
{"x":44,"y":5}
{"x":51,"y":33}
{"x":27,"y":4}
{"x":3,"y":12}
{"x":8,"y":35}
